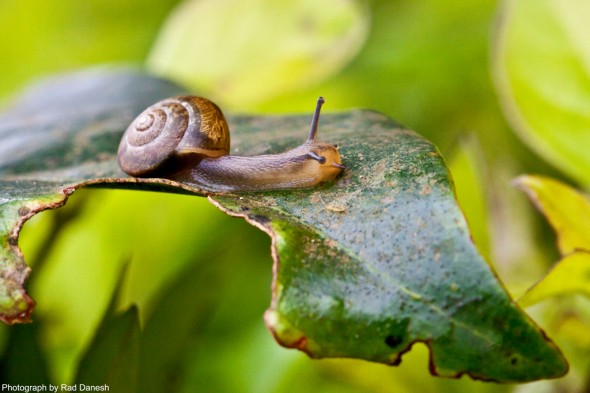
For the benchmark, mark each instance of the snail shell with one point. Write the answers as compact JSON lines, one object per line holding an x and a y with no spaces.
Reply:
{"x":158,"y":139}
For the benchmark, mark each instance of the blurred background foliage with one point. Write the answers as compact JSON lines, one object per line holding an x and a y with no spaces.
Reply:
{"x":201,"y":280}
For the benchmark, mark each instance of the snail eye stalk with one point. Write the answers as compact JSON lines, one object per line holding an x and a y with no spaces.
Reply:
{"x":313,"y":130}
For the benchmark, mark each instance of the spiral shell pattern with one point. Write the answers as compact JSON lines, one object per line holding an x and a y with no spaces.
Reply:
{"x":172,"y":128}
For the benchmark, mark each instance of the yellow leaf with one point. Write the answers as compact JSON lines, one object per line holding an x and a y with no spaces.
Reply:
{"x":575,"y":329}
{"x":566,"y":209}
{"x":569,"y":275}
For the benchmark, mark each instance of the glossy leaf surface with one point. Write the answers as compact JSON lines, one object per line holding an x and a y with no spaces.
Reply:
{"x":364,"y":267}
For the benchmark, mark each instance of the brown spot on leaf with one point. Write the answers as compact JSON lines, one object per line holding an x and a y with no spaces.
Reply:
{"x":24,"y":211}
{"x":426,"y":189}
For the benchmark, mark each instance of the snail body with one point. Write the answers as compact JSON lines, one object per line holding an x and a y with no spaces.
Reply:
{"x":187,"y":139}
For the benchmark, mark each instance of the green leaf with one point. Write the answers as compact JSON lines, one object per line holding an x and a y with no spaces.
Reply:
{"x":18,"y":202}
{"x":397,"y":267}
{"x":466,"y":165}
{"x":310,"y":40}
{"x":186,"y":306}
{"x":23,"y":361}
{"x":364,"y":267}
{"x":48,"y":150}
{"x":543,"y":74}
{"x":113,"y":356}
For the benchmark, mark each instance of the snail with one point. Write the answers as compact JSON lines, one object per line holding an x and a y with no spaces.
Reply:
{"x":187,"y":139}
